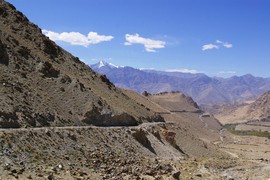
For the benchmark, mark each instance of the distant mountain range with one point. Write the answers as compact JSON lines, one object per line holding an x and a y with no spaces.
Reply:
{"x":202,"y":88}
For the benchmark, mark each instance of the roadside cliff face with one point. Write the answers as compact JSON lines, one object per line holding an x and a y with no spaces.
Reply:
{"x":43,"y":85}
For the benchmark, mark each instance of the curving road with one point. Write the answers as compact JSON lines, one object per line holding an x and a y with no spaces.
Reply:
{"x":201,"y":118}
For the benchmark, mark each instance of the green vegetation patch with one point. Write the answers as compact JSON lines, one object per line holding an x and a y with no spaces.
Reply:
{"x":231,"y":128}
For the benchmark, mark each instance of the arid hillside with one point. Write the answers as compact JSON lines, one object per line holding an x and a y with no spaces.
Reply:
{"x":257,"y":110}
{"x":175,"y":101}
{"x":194,"y":130}
{"x":43,"y":85}
{"x":61,"y":120}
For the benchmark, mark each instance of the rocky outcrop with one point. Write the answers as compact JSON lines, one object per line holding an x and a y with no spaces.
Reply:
{"x":99,"y":117}
{"x":170,"y":137}
{"x":141,"y":136}
{"x":4,"y":59}
{"x":48,"y":70}
{"x":192,"y":102}
{"x":154,"y":118}
{"x":9,"y":120}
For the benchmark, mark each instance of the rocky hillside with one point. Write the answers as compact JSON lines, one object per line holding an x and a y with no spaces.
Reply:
{"x":43,"y":85}
{"x":175,"y":102}
{"x":257,"y":110}
{"x":261,"y":107}
{"x":202,"y":88}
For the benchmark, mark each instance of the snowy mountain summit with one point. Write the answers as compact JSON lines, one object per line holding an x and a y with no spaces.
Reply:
{"x":104,"y":64}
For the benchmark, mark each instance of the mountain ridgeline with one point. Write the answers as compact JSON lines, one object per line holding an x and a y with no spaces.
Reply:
{"x":202,"y":88}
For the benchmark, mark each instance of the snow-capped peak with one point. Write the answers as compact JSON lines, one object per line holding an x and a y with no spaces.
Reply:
{"x":104,"y":65}
{"x":113,"y":66}
{"x":101,"y":64}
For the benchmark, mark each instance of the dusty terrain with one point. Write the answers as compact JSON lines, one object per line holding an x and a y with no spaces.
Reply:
{"x":87,"y":152}
{"x":183,"y":147}
{"x":61,"y":120}
{"x":250,"y":125}
{"x":254,"y":154}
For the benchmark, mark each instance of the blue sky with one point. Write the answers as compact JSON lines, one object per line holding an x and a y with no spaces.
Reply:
{"x":216,"y":37}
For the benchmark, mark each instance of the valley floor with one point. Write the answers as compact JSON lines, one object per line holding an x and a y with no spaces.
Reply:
{"x":254,"y":154}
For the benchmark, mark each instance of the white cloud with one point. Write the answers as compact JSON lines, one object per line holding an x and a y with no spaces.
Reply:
{"x":192,"y":71}
{"x":216,"y":45}
{"x":76,"y":38}
{"x":227,"y":45}
{"x":149,"y":44}
{"x":219,"y":42}
{"x":209,"y":46}
{"x":224,"y":44}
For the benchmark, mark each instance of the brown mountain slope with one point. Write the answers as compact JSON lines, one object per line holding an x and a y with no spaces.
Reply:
{"x":146,"y":101}
{"x":257,"y":110}
{"x":194,"y":131}
{"x":175,"y":101}
{"x":43,"y":85}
